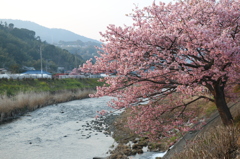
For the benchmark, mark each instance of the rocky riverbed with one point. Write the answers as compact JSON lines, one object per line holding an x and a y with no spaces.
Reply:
{"x":128,"y":144}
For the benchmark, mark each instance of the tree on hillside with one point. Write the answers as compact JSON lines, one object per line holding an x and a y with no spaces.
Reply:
{"x":172,"y":51}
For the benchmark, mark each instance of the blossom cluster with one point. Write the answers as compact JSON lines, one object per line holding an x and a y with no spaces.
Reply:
{"x":182,"y":48}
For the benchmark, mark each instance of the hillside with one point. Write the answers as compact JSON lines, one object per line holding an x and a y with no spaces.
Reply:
{"x":86,"y":50}
{"x":21,"y":47}
{"x":50,"y":35}
{"x":74,"y":43}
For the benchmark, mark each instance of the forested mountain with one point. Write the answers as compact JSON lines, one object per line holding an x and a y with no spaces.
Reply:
{"x":75,"y":44}
{"x":21,"y":47}
{"x":50,"y":35}
{"x":86,"y":50}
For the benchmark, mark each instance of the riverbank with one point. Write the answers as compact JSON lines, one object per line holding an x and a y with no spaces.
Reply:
{"x":18,"y":97}
{"x":212,"y":141}
{"x":11,"y":87}
{"x":13,"y":107}
{"x":129,"y":145}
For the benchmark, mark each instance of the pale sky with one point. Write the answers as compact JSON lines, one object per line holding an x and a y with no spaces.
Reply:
{"x":84,"y":17}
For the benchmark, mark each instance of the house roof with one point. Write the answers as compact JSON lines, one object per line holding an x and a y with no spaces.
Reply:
{"x":36,"y":72}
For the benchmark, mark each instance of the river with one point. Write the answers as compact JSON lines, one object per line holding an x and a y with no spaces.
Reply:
{"x":57,"y":132}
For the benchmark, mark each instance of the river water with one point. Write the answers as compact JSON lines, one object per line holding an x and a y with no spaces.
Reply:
{"x":57,"y":132}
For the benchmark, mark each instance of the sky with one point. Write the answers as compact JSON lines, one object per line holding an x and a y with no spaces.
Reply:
{"x":84,"y":17}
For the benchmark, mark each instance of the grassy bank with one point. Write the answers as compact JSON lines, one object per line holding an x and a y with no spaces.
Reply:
{"x":20,"y":96}
{"x":10,"y":87}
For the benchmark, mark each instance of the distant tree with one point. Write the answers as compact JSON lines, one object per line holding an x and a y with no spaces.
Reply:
{"x":38,"y":38}
{"x":11,"y":26}
{"x":14,"y":68}
{"x":172,"y":49}
{"x":24,"y":34}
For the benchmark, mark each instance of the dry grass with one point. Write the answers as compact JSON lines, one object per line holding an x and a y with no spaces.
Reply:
{"x":22,"y":102}
{"x":214,"y":141}
{"x":218,"y":143}
{"x":62,"y":97}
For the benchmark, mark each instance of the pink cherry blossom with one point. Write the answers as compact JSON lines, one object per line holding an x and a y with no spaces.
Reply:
{"x":174,"y":50}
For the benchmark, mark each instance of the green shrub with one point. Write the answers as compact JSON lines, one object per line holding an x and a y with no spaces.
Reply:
{"x":12,"y":87}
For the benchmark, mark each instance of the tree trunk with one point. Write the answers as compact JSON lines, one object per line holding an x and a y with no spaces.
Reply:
{"x":221,"y":104}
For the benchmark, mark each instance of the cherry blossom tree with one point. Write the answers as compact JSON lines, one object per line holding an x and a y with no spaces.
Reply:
{"x":166,"y":61}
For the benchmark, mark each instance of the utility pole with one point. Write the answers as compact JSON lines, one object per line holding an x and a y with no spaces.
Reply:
{"x":41,"y":61}
{"x":47,"y":60}
{"x":76,"y":59}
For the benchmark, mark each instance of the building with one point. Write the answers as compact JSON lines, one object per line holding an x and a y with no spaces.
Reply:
{"x":3,"y":71}
{"x":36,"y":74}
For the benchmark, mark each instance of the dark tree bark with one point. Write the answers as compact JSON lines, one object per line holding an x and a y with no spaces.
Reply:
{"x":220,"y":101}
